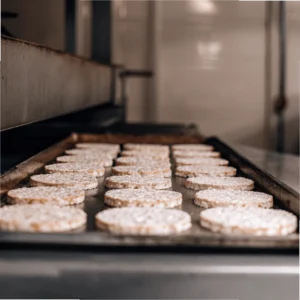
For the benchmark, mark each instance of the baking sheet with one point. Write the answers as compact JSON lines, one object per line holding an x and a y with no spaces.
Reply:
{"x":196,"y":237}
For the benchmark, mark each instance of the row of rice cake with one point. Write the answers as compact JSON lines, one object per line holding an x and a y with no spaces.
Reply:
{"x":46,"y":205}
{"x":65,"y":185}
{"x":230,"y":205}
{"x":250,"y":204}
{"x":143,"y":206}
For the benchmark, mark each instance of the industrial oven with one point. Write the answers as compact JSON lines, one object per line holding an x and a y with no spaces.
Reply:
{"x":43,"y":118}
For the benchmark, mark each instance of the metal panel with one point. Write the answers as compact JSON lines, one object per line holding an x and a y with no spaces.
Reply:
{"x":121,"y":275}
{"x":39,"y":83}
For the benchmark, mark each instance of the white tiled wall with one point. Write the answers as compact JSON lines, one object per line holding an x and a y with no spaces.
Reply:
{"x":212,"y":66}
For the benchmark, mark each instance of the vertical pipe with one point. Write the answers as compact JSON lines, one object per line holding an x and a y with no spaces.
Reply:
{"x":70,"y":26}
{"x":102,"y":31}
{"x":282,"y":70}
{"x":282,"y":47}
{"x":124,"y":98}
{"x":154,"y":29}
{"x":83,"y":28}
{"x":268,"y":72}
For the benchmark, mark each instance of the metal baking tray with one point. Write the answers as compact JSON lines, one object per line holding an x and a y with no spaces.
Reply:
{"x":197,"y":237}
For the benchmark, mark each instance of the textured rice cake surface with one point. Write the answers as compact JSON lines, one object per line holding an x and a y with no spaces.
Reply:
{"x":46,"y":195}
{"x":214,"y":198}
{"x":215,"y":182}
{"x":86,"y":168}
{"x":78,"y":180}
{"x":90,"y":159}
{"x":194,"y":171}
{"x":147,"y":147}
{"x":146,"y":155}
{"x":143,"y":221}
{"x":95,"y":152}
{"x":142,"y":171}
{"x":201,"y":161}
{"x":99,"y":146}
{"x":248,"y":220}
{"x":194,"y":154}
{"x":138,"y":182}
{"x":41,"y":218}
{"x":133,"y":161}
{"x":192,"y":147}
{"x":142,"y":198}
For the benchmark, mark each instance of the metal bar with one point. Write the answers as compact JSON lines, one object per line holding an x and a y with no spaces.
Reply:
{"x":83,"y":20}
{"x":281,"y":102}
{"x":101,"y":31}
{"x":155,"y":87}
{"x":124,"y":74}
{"x":268,"y":73}
{"x":70,"y":26}
{"x":39,"y":83}
{"x":282,"y":37}
{"x":124,"y":97}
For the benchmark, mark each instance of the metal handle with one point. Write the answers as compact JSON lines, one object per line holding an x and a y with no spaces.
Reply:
{"x":136,"y":73}
{"x":124,"y":74}
{"x":8,"y":15}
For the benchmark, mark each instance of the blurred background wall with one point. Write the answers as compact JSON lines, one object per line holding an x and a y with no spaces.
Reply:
{"x":210,"y":64}
{"x":38,"y":21}
{"x":215,"y":62}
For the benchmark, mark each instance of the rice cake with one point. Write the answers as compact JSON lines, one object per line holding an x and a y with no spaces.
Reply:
{"x":201,"y":161}
{"x":138,"y":182}
{"x":195,"y":154}
{"x":192,"y":147}
{"x":90,"y":159}
{"x":223,"y":198}
{"x":142,"y":198}
{"x":194,"y":171}
{"x":147,"y":147}
{"x":143,"y":221}
{"x":46,"y":195}
{"x":215,"y":182}
{"x":78,"y":180}
{"x":249,"y":220}
{"x":41,"y":218}
{"x":99,"y":153}
{"x":99,"y":146}
{"x":145,"y":155}
{"x":142,"y":171}
{"x":133,"y":161}
{"x":85,"y":168}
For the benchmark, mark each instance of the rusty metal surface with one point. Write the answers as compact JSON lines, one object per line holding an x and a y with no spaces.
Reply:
{"x":196,"y":237}
{"x":39,"y":83}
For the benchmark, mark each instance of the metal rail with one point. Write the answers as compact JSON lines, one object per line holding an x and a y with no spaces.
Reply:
{"x":281,"y":101}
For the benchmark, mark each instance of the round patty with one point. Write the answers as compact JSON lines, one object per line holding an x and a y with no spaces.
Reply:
{"x":142,"y":198}
{"x":41,"y":218}
{"x":143,"y":221}
{"x":248,"y":220}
